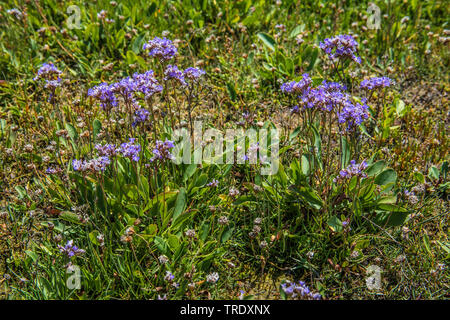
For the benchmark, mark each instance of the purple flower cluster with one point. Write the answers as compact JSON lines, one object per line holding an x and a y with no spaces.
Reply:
{"x":146,"y":83}
{"x":48,"y":71}
{"x":297,"y":88}
{"x":341,"y":47}
{"x":375,"y":83}
{"x":93,"y":165}
{"x":172,"y":72}
{"x":193,"y":74}
{"x":162,"y":150}
{"x":140,"y":116}
{"x":352,"y":170}
{"x":107,"y":150}
{"x":299,"y":290}
{"x":124,"y":87}
{"x":213,"y":184}
{"x":353,"y":113}
{"x":130,"y":150}
{"x":70,"y":249}
{"x":105,"y":94}
{"x":162,"y":49}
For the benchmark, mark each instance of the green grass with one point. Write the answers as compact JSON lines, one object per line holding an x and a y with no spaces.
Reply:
{"x":246,"y":58}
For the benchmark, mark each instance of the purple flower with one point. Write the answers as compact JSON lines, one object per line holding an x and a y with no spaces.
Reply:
{"x":162,"y":49}
{"x":162,"y":150}
{"x":375,"y":83}
{"x":352,"y":170}
{"x":52,"y":84}
{"x":193,"y":74}
{"x":169,"y":276}
{"x":299,"y":290}
{"x":172,"y":72}
{"x":47,"y":71}
{"x":141,"y":115}
{"x":131,"y":150}
{"x":297,"y":88}
{"x":70,"y":249}
{"x":94,"y":165}
{"x":146,"y":83}
{"x":108,"y":150}
{"x":353,"y":113}
{"x":214,"y":183}
{"x":104,"y":93}
{"x":341,"y":47}
{"x":125,"y":87}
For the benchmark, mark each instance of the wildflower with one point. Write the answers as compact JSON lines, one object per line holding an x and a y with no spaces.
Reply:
{"x":299,"y":290}
{"x":172,"y":72}
{"x":162,"y":151}
{"x":341,"y":47}
{"x":101,"y":15}
{"x":169,"y":276}
{"x":352,"y":170}
{"x":162,"y":49}
{"x":212,"y":277}
{"x":214,"y":183}
{"x":164,"y":297}
{"x":131,"y":150}
{"x":141,"y":116}
{"x":375,"y":83}
{"x":146,"y":83}
{"x":257,"y":221}
{"x":353,"y":114}
{"x":15,"y":12}
{"x":70,"y":249}
{"x":51,"y":170}
{"x":125,"y":87}
{"x":193,"y":74}
{"x":47,"y":71}
{"x":105,"y":94}
{"x":108,"y":150}
{"x":263,"y":244}
{"x":297,"y":88}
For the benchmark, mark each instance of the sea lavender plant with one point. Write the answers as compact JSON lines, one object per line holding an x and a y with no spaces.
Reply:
{"x":173,"y":73}
{"x":299,"y":290}
{"x":161,"y":151}
{"x":131,"y":149}
{"x":70,"y":249}
{"x":341,"y":47}
{"x":352,"y":170}
{"x":104,"y":93}
{"x":162,"y":49}
{"x":375,"y":83}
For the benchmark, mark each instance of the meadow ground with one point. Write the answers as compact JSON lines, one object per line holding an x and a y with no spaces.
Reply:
{"x":346,"y":197}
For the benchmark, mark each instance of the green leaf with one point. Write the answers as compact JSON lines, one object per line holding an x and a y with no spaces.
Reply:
{"x":71,"y":131}
{"x":375,"y":168}
{"x":161,"y":244}
{"x":345,"y":156}
{"x":97,"y":127}
{"x":267,"y":40}
{"x":385,"y":177}
{"x":180,"y":203}
{"x":226,"y":235}
{"x":231,"y":91}
{"x":433,"y":173}
{"x":335,"y":224}
{"x":70,"y":217}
